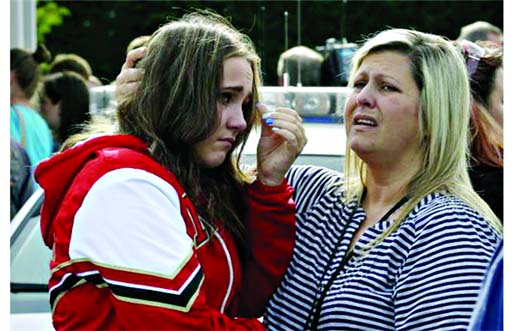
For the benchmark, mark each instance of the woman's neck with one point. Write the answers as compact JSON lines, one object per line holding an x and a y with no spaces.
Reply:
{"x":387,"y":185}
{"x":20,"y":101}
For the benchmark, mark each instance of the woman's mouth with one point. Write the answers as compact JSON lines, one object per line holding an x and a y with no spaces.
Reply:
{"x":364,"y":120}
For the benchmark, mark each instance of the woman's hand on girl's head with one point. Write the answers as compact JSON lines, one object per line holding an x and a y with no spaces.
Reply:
{"x":129,"y":78}
{"x":282,"y":139}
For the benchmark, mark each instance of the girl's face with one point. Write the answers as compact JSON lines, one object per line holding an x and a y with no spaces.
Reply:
{"x":495,"y":100}
{"x":382,"y":110}
{"x":234,"y":96}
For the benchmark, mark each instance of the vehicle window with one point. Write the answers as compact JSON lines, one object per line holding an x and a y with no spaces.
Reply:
{"x":30,"y":261}
{"x":29,"y":256}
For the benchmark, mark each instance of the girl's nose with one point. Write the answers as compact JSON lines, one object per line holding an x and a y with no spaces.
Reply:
{"x":236,"y":120}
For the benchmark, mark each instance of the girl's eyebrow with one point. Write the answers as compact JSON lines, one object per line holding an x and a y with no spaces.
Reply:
{"x":233,"y":88}
{"x":238,"y":89}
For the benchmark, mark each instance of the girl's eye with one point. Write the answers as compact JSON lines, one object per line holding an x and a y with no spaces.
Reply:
{"x":225,"y":98}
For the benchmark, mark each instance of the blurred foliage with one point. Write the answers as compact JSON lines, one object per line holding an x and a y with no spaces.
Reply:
{"x":99,"y":31}
{"x":49,"y":14}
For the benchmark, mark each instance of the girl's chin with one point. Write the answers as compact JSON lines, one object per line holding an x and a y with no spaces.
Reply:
{"x":213,"y":161}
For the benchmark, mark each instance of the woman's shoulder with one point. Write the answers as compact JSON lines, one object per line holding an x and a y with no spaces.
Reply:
{"x":312,"y":184}
{"x":444,"y":202}
{"x":310,"y":175}
{"x":30,"y":115}
{"x":446,"y":212}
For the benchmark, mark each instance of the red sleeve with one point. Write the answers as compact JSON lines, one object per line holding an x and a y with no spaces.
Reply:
{"x":271,"y":231}
{"x":124,"y":299}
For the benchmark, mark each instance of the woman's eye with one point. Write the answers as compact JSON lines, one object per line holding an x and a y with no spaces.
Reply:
{"x":359,"y":85}
{"x":389,"y":88}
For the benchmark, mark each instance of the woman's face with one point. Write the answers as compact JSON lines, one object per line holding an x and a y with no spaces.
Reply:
{"x":235,"y":93}
{"x":51,"y":112}
{"x":495,"y":100}
{"x":382,"y":110}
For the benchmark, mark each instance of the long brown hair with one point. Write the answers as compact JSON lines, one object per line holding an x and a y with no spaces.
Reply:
{"x":175,"y":107}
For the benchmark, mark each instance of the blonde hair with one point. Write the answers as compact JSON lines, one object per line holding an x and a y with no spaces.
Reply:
{"x":441,"y":76}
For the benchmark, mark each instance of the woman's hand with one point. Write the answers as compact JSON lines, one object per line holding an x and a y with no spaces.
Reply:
{"x":282,"y":139}
{"x":129,"y":78}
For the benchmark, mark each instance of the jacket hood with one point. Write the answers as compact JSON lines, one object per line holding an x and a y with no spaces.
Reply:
{"x":56,"y":174}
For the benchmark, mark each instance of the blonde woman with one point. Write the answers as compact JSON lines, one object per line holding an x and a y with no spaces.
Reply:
{"x":402,"y":241}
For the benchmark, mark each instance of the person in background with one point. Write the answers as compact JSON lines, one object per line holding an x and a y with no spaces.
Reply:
{"x":65,"y":104}
{"x":156,"y":226}
{"x":27,"y":126}
{"x":75,"y":63}
{"x":401,"y":241}
{"x":485,"y":69}
{"x":300,"y":63}
{"x":22,"y":185}
{"x":481,"y":31}
{"x":489,"y":311}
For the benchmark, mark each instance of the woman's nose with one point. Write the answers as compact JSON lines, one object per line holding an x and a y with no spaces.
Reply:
{"x":365,"y":97}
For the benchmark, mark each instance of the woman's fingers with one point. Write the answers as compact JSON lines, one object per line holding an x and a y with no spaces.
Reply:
{"x":132,"y":57}
{"x":129,"y":75}
{"x":129,"y":78}
{"x":124,"y":90}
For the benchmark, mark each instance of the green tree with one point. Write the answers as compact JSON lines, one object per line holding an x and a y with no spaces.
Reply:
{"x":49,"y":14}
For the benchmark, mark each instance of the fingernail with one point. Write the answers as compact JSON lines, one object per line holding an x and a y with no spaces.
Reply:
{"x":274,"y":129}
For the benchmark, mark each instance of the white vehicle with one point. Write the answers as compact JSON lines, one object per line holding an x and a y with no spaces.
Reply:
{"x":30,"y":259}
{"x":321,"y":109}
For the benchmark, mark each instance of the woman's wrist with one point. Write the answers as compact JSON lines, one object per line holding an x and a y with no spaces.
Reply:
{"x":269,"y":181}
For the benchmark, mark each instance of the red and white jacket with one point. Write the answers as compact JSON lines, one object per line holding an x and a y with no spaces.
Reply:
{"x":130,"y":253}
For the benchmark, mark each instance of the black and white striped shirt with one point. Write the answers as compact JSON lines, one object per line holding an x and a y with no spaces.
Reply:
{"x":424,"y":276}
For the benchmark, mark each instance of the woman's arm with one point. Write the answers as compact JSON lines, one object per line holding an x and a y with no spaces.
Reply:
{"x":446,"y":264}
